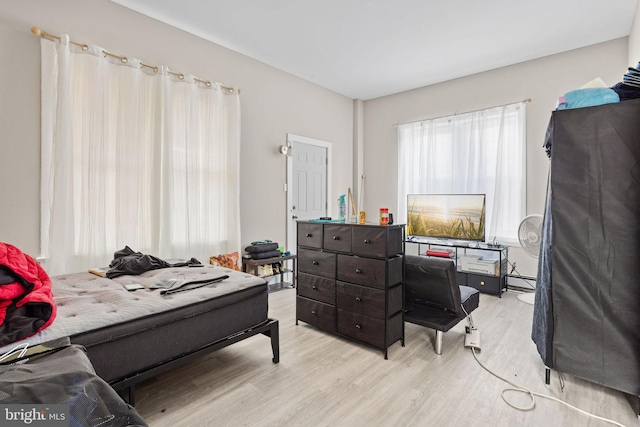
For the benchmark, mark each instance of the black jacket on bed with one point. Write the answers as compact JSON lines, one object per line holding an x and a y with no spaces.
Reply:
{"x":126,"y":261}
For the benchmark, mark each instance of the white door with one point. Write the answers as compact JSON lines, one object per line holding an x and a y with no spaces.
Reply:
{"x":308,"y":182}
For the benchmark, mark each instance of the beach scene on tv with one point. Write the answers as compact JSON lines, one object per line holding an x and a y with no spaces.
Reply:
{"x":446,"y":216}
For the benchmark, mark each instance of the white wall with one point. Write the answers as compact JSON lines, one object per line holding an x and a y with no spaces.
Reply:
{"x":634,"y":39}
{"x":273,"y":103}
{"x":19,"y":143}
{"x":542,"y":80}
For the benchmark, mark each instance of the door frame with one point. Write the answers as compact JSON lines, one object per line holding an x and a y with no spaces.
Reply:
{"x":289,"y":221}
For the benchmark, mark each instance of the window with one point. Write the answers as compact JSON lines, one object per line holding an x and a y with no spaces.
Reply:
{"x":133,"y":156}
{"x":478,"y":152}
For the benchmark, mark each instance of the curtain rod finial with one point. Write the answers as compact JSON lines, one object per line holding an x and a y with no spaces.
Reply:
{"x":37,"y":31}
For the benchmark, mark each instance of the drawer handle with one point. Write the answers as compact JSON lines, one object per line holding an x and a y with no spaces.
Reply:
{"x":308,"y":234}
{"x":336,"y":238}
{"x":313,"y":312}
{"x":358,"y":326}
{"x":358,"y":271}
{"x":314,"y":262}
{"x":358,"y":299}
{"x":314,"y":287}
{"x":367,"y":241}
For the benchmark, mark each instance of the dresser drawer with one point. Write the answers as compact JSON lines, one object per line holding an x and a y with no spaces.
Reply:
{"x":316,"y":313}
{"x":310,"y":235}
{"x":337,"y":238}
{"x":395,"y":266}
{"x":377,"y":242}
{"x":395,"y":300}
{"x":396,"y":241}
{"x":317,"y":263}
{"x":369,"y":241}
{"x":395,"y":328}
{"x":317,"y":288}
{"x":362,"y":271}
{"x":361,"y":327}
{"x":489,"y":284}
{"x":360,"y":299}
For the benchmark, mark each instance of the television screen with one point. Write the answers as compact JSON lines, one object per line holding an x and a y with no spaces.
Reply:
{"x":446,"y":216}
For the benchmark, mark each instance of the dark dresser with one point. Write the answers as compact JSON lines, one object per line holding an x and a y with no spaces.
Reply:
{"x":351,"y":280}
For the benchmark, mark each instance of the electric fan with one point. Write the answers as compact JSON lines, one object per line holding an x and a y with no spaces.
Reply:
{"x":530,"y":234}
{"x":530,"y":237}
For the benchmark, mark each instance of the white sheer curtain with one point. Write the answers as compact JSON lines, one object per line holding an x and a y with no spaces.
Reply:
{"x":106,"y":151}
{"x":478,"y":152}
{"x":201,"y":204}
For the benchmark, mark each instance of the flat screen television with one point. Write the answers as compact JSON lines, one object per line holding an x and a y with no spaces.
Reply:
{"x":446,"y":216}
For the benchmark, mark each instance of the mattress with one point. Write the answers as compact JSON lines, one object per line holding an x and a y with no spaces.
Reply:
{"x":126,"y":332}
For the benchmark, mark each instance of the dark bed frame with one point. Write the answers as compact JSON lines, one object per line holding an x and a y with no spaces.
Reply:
{"x":269,"y":328}
{"x":125,"y":353}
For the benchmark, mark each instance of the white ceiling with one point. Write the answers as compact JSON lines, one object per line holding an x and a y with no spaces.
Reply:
{"x":365,"y":49}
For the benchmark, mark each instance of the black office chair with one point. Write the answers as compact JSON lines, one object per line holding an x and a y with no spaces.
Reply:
{"x":433,"y":297}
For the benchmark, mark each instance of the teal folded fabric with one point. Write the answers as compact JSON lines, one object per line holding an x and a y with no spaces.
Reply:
{"x":588,"y":97}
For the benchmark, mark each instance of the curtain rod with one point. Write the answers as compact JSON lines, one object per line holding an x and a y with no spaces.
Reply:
{"x":526,"y":101}
{"x":38,"y":32}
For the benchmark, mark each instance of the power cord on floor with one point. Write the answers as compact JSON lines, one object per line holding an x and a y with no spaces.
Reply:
{"x":532,"y":394}
{"x":520,"y":276}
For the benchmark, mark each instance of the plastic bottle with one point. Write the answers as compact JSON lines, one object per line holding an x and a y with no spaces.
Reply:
{"x":384,"y":216}
{"x":342,"y":208}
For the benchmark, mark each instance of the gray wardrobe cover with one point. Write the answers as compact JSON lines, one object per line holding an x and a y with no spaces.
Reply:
{"x":587,"y":308}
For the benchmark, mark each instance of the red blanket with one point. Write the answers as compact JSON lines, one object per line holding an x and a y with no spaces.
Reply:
{"x":26,"y":299}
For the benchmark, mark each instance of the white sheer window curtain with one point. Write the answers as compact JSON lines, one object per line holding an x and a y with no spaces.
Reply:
{"x":106,"y":150}
{"x":477,"y":152}
{"x":201,"y":204}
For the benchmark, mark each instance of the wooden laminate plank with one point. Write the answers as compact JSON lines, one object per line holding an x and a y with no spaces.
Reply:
{"x":325,"y":380}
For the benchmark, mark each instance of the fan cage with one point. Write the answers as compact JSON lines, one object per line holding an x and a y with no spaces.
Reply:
{"x":530,"y":234}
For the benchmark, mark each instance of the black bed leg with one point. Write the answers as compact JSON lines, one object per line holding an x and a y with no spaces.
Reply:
{"x":547,"y":376}
{"x":132,"y":392}
{"x":275,"y":341}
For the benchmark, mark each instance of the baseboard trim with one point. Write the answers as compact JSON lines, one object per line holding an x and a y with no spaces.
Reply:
{"x":521,"y":283}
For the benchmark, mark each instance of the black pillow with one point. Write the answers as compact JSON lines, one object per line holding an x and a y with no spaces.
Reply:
{"x":266,"y":247}
{"x":264,"y":255}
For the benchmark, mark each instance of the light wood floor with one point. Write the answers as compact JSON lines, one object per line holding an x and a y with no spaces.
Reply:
{"x":323,"y":380}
